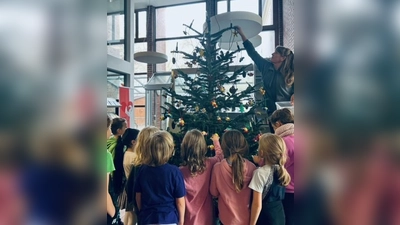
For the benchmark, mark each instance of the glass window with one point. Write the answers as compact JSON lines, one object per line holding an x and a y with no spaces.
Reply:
{"x":245,"y":5}
{"x":185,"y":45}
{"x":140,"y":67}
{"x":142,"y":24}
{"x":222,"y":7}
{"x":170,"y":20}
{"x":114,"y":81}
{"x":267,"y":12}
{"x":116,"y":50}
{"x":115,"y":27}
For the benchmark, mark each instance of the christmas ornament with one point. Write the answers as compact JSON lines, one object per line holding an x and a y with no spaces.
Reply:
{"x":245,"y":130}
{"x":201,"y":52}
{"x":257,"y":138}
{"x":241,"y":108}
{"x":203,"y":110}
{"x":178,"y":104}
{"x":181,"y":122}
{"x":251,"y":102}
{"x":174,"y":74}
{"x":227,"y":129}
{"x":219,"y":119}
{"x":250,"y":74}
{"x":214,"y":104}
{"x":211,"y":147}
{"x":228,"y":119}
{"x":162,"y":117}
{"x":232,"y":90}
{"x":222,"y":89}
{"x":262,"y":91}
{"x":204,"y":133}
{"x":196,"y":108}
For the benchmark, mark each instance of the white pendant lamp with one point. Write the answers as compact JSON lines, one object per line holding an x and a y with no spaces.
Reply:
{"x":150,"y":57}
{"x":256,"y":41}
{"x":250,"y":23}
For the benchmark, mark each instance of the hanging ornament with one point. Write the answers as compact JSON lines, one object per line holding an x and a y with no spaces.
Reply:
{"x":245,"y":130}
{"x":251,"y":102}
{"x":257,"y":138}
{"x":246,"y":105}
{"x":232,"y":90}
{"x":197,"y":108}
{"x":250,"y":74}
{"x":219,"y":119}
{"x":222,"y":89}
{"x":162,"y":117}
{"x":214,"y":104}
{"x":168,"y":115}
{"x":173,"y":60}
{"x":228,"y":119}
{"x":181,"y":122}
{"x":203,"y":110}
{"x":174,"y":74}
{"x":178,"y":104}
{"x":204,"y":133}
{"x":211,"y":147}
{"x":201,"y":52}
{"x":262,"y":91}
{"x":241,"y":108}
{"x":227,"y":129}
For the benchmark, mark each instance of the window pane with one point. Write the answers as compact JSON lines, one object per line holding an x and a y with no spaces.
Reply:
{"x":170,"y":19}
{"x":186,"y":45}
{"x":222,"y":7}
{"x":245,"y":5}
{"x":267,"y":12}
{"x":116,"y":50}
{"x":142,"y":24}
{"x":113,"y":83}
{"x":140,"y":67}
{"x":115,"y":27}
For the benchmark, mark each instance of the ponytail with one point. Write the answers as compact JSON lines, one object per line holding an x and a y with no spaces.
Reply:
{"x":287,"y":67}
{"x":118,"y":176}
{"x":237,"y":172}
{"x":283,"y":174}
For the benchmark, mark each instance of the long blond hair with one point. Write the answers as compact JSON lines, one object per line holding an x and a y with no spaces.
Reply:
{"x":234,"y":144}
{"x":140,"y":147}
{"x":287,"y":67}
{"x":193,"y":152}
{"x":273,"y":149}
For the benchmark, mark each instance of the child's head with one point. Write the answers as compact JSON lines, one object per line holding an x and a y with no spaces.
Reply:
{"x":193,"y":152}
{"x":160,"y":148}
{"x":234,"y":145}
{"x":129,"y":137}
{"x":118,"y":126}
{"x":140,"y":148}
{"x":273,"y":149}
{"x":281,"y":117}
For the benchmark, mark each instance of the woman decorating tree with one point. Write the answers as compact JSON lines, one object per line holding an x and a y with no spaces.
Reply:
{"x":277,"y":73}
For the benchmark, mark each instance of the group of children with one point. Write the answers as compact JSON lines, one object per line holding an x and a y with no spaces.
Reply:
{"x":156,"y":192}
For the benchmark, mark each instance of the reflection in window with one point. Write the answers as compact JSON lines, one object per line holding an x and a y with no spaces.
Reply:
{"x":116,"y":50}
{"x":170,"y":19}
{"x":185,"y":45}
{"x":140,"y":67}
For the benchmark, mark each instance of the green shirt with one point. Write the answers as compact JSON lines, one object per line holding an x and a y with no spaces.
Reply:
{"x":110,"y":163}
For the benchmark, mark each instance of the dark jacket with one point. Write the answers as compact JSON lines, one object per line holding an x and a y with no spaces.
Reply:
{"x":275,"y":86}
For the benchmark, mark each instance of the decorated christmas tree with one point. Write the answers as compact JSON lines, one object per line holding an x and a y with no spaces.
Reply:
{"x":211,"y":101}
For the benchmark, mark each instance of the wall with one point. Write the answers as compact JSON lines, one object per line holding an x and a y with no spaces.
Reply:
{"x":288,"y":23}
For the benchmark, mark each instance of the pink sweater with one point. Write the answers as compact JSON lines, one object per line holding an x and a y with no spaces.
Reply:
{"x":234,"y":207}
{"x":287,"y":133}
{"x":199,"y":208}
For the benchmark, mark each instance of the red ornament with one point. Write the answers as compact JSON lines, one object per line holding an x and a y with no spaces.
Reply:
{"x":245,"y":130}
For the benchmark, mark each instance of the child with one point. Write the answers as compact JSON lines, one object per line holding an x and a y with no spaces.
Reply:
{"x":230,"y":180}
{"x":159,"y":187}
{"x":268,"y":183}
{"x":196,"y":170}
{"x":128,"y":142}
{"x":283,"y":122}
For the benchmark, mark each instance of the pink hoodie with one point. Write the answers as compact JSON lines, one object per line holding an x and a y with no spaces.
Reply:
{"x":199,"y":208}
{"x":234,"y":207}
{"x":286,"y":132}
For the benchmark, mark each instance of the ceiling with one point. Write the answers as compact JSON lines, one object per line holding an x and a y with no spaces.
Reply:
{"x":118,"y":5}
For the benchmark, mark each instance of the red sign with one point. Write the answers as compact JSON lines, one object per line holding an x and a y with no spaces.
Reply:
{"x":126,"y":101}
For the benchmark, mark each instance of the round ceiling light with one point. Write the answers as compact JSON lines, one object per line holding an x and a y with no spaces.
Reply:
{"x":250,"y":23}
{"x":256,"y":41}
{"x":150,"y":57}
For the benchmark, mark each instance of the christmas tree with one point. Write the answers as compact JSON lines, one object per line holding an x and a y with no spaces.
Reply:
{"x":211,"y":102}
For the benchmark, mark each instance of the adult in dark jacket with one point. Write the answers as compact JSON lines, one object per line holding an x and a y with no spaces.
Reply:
{"x":277,"y":73}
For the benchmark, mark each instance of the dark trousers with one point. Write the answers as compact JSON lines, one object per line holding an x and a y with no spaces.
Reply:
{"x":288,"y":206}
{"x":272,"y":214}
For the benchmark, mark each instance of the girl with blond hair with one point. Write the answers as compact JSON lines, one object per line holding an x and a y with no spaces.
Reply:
{"x":269,"y":182}
{"x":196,"y":170}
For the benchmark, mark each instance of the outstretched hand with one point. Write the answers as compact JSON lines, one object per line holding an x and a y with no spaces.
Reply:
{"x":215,"y":137}
{"x":240,"y":32}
